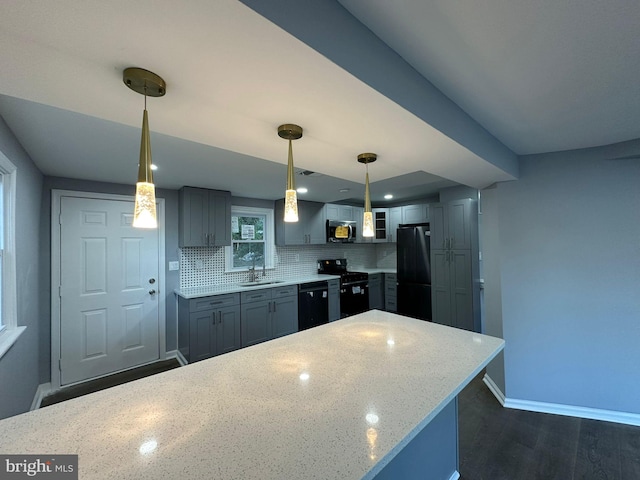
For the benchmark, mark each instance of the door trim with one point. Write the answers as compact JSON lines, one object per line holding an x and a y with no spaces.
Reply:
{"x":56,"y":201}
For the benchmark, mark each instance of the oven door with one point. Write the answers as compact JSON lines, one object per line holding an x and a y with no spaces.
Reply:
{"x":354,"y":298}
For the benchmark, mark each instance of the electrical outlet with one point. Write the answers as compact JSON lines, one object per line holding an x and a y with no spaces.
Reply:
{"x":173,"y":266}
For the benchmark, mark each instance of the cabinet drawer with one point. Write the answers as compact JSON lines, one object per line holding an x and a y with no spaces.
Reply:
{"x":390,"y":278}
{"x":390,"y":289}
{"x":286,"y":291}
{"x":333,"y":284}
{"x":256,"y":295}
{"x":216,"y":301}
{"x":391,"y":304}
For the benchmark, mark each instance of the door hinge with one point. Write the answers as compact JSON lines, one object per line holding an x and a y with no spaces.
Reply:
{"x":60,"y":219}
{"x":60,"y":291}
{"x":60,"y":364}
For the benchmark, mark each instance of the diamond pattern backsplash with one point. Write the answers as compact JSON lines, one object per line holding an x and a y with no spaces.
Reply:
{"x":203,"y":266}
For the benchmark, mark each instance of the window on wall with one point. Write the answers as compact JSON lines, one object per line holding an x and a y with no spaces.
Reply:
{"x":9,"y":329}
{"x":251,"y":239}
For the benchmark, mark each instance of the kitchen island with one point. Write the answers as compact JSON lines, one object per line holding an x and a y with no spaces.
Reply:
{"x":369,"y":396}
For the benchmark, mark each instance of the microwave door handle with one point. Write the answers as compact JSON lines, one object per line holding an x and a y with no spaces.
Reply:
{"x":350,"y":231}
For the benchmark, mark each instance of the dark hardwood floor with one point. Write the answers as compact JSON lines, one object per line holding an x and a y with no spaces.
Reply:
{"x":108,"y":381}
{"x":498,"y":443}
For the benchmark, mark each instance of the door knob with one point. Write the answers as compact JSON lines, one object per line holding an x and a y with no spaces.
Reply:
{"x":152,"y":292}
{"x":152,"y":281}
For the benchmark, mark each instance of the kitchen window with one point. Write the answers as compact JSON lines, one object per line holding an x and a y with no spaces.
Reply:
{"x":9,"y":329}
{"x":252,"y":239}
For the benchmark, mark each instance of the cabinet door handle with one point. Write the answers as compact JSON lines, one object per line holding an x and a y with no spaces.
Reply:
{"x":452,"y":241}
{"x":213,"y":318}
{"x":274,"y":307}
{"x":220,"y":317}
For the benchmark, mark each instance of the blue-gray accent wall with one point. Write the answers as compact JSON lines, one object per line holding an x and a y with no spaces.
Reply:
{"x":19,"y":366}
{"x":568,"y":242}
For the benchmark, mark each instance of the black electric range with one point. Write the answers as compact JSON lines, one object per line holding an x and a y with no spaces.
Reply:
{"x":354,"y":288}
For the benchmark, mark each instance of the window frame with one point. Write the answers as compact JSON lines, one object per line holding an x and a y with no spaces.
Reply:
{"x":268,"y":234}
{"x":9,"y":329}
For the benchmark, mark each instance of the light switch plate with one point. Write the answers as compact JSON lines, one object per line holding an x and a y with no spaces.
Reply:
{"x":174,"y":266}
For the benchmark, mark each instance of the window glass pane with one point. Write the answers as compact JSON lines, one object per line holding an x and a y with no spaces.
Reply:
{"x":248,"y":254}
{"x":248,"y":228}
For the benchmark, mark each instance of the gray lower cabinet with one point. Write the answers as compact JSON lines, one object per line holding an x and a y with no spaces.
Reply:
{"x":208,"y":326}
{"x":376,"y":291}
{"x":268,"y":313}
{"x":334,"y":299}
{"x":391,"y":292}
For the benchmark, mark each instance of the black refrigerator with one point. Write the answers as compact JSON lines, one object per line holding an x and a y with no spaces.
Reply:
{"x":414,"y":271}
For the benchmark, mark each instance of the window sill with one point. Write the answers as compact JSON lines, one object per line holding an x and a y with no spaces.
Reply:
{"x":8,"y":337}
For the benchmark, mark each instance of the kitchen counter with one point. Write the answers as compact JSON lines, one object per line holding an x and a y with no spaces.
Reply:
{"x":208,"y":290}
{"x":372,"y":271}
{"x":339,"y":401}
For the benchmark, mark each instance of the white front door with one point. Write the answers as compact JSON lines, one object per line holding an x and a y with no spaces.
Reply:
{"x":108,"y":279}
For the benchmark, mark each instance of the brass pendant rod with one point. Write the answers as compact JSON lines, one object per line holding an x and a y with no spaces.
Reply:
{"x":291,"y":185}
{"x":145,"y":173}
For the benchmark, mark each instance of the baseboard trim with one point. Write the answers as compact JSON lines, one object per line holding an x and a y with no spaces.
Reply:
{"x":178,"y":356}
{"x":493,"y":388}
{"x":42,"y":391}
{"x":575,"y":411}
{"x":614,"y":416}
{"x":455,"y":475}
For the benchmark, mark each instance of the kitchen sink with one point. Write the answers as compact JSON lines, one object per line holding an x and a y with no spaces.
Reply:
{"x":259,"y":282}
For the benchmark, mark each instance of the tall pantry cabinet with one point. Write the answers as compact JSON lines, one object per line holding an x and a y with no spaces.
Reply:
{"x":455,"y":276}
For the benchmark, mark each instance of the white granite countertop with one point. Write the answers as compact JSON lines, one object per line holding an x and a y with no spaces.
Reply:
{"x":207,"y":290}
{"x":298,"y":407}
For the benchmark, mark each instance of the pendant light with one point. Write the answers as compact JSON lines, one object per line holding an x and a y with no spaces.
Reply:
{"x":148,"y":84}
{"x":367,"y":221}
{"x":290,"y":132}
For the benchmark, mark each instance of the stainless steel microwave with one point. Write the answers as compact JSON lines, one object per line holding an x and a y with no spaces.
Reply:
{"x":341,"y":231}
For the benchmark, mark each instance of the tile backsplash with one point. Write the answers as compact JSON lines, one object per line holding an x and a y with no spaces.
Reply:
{"x":202,"y":266}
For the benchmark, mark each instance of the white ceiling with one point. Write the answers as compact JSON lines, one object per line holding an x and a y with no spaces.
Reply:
{"x":540,"y":75}
{"x":232,"y":77}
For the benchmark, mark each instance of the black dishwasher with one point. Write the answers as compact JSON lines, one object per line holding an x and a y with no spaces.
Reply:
{"x":313,"y":304}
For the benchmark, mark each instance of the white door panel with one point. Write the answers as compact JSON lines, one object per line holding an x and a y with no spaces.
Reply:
{"x":108,"y":315}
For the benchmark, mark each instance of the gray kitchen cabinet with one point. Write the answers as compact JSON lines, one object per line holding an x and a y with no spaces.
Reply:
{"x":334,"y":299}
{"x":205,"y":217}
{"x":309,"y":229}
{"x":418,"y":213}
{"x":208,"y":326}
{"x":334,"y":211}
{"x":380,"y":225}
{"x":454,"y":225}
{"x":395,"y":219}
{"x":455,"y":289}
{"x":268,"y":313}
{"x":376,"y":291}
{"x":391,"y":292}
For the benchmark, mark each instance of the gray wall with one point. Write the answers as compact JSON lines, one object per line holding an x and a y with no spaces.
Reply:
{"x":19,"y":366}
{"x":569,"y":263}
{"x":171,"y":254}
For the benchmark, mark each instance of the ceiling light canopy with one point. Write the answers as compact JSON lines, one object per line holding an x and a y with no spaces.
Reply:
{"x":148,"y":84}
{"x":367,"y":221}
{"x":290,"y":132}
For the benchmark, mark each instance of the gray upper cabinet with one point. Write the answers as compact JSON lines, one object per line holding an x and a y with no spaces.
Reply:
{"x":333,"y":211}
{"x":455,"y":291}
{"x":380,"y":225}
{"x":309,"y":229}
{"x":205,"y":217}
{"x":418,"y":213}
{"x":452,"y":224}
{"x":395,"y":219}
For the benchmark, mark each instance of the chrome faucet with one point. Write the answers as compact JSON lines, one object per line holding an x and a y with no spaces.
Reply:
{"x":252,"y":270}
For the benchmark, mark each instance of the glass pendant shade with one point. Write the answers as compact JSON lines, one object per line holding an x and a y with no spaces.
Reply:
{"x":144,"y":214}
{"x":290,"y":206}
